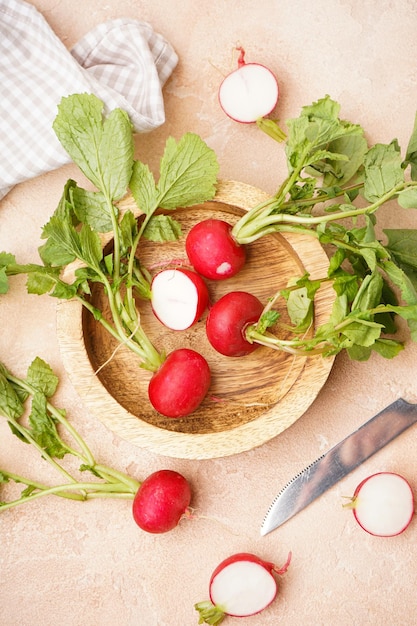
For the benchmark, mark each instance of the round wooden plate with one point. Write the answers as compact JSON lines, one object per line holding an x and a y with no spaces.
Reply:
{"x":252,"y":399}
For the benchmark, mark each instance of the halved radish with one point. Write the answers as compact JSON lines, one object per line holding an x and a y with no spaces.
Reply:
{"x":242,"y":585}
{"x":383,"y":504}
{"x":248,"y":93}
{"x":212,"y":250}
{"x":179,"y":297}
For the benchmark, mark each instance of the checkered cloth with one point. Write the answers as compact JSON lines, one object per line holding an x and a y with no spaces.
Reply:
{"x":123,"y":62}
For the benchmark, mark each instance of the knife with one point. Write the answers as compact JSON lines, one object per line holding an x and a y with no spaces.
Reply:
{"x":344,"y":457}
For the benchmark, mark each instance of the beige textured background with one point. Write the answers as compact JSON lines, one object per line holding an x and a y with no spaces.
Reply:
{"x":88,"y":564}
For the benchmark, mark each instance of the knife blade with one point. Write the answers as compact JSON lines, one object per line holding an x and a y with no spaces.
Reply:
{"x":337,"y":462}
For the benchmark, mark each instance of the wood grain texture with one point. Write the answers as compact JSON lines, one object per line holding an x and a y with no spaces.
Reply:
{"x":252,"y":399}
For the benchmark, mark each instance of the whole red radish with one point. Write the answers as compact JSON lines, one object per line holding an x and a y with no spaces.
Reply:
{"x":179,"y":297}
{"x":180,"y":384}
{"x":161,"y":501}
{"x":242,"y":585}
{"x":227,"y":320}
{"x":383,"y":504}
{"x":249,"y":92}
{"x":212,"y":250}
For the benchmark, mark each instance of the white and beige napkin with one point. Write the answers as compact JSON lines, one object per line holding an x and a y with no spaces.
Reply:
{"x":122,"y":61}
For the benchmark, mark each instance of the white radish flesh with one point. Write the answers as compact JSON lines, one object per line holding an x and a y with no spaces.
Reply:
{"x":383,"y":504}
{"x":249,"y":92}
{"x":179,"y":298}
{"x":243,"y":588}
{"x":241,"y":585}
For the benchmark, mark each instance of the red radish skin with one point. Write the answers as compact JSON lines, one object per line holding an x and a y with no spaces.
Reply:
{"x":250,"y":92}
{"x":240,"y":586}
{"x":161,"y":501}
{"x":181,"y":383}
{"x":227,"y":320}
{"x":179,"y":297}
{"x":212,"y":250}
{"x":383,"y":504}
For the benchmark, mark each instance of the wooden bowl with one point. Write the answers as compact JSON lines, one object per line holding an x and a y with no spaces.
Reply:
{"x":252,"y":399}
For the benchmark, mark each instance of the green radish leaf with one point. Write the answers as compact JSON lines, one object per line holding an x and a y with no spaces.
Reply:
{"x":39,"y":283}
{"x":402,"y":281}
{"x":402,"y":245}
{"x":383,"y":170}
{"x":353,"y":146}
{"x":128,"y":232}
{"x":10,"y":403}
{"x":388,"y":348}
{"x":369,"y":294}
{"x":92,"y":252}
{"x":43,"y":427}
{"x":188,"y":172}
{"x":162,"y":228}
{"x":91,"y":208}
{"x":102,"y":149}
{"x":42,"y":378}
{"x":408,"y":198}
{"x":411,"y":154}
{"x":267,"y":319}
{"x":4,"y":281}
{"x":362,"y":332}
{"x":65,"y":237}
{"x":143,"y":188}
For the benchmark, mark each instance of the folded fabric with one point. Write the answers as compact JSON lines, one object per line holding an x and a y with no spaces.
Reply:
{"x":122,"y":61}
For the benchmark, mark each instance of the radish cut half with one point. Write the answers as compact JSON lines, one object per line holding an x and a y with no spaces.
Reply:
{"x":241,"y":585}
{"x":383,"y":504}
{"x":249,"y":92}
{"x":179,"y":298}
{"x":243,"y":588}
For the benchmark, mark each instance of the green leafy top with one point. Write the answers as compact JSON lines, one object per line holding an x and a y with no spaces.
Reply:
{"x":330,"y":166}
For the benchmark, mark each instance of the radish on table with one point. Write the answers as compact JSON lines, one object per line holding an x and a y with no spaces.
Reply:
{"x":179,"y":297}
{"x":383,"y":504}
{"x":161,"y":501}
{"x":249,"y":92}
{"x":241,"y":585}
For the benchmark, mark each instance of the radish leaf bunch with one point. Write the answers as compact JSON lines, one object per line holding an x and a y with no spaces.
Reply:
{"x":334,"y":188}
{"x":26,"y":403}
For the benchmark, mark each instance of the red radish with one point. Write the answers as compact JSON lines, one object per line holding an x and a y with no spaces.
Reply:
{"x":242,"y":585}
{"x":161,"y":500}
{"x":383,"y":504}
{"x":212,"y":250}
{"x":179,"y":297}
{"x":227,"y":320}
{"x":248,"y":93}
{"x":180,"y":384}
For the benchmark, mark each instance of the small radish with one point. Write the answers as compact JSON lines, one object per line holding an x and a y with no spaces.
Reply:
{"x":179,"y":297}
{"x":383,"y":504}
{"x":241,"y":585}
{"x":180,"y":384}
{"x":161,"y":500}
{"x":212,"y":250}
{"x":227,"y":320}
{"x":248,"y":93}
